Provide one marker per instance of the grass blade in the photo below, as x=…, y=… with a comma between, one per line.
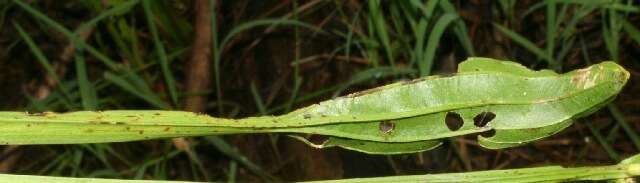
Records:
x=434, y=41
x=633, y=32
x=217, y=57
x=625, y=126
x=79, y=42
x=258, y=99
x=118, y=9
x=603, y=142
x=149, y=97
x=229, y=151
x=380, y=29
x=216, y=52
x=418, y=51
x=66, y=32
x=162, y=56
x=550, y=32
x=525, y=43
x=87, y=90
x=44, y=62
x=460, y=28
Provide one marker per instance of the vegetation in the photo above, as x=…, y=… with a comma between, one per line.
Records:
x=234, y=59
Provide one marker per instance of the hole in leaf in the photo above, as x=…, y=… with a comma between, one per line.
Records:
x=453, y=121
x=483, y=118
x=489, y=133
x=317, y=139
x=387, y=126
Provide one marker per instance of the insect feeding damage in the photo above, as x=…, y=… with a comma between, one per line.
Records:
x=582, y=78
x=453, y=121
x=420, y=102
x=387, y=127
x=483, y=118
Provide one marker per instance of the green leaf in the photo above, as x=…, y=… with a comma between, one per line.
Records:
x=465, y=90
x=504, y=102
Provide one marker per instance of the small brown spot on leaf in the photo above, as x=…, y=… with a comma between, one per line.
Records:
x=447, y=75
x=413, y=81
x=357, y=94
x=386, y=127
x=167, y=129
x=120, y=123
x=89, y=130
x=483, y=118
x=28, y=125
x=453, y=121
x=141, y=132
x=306, y=116
x=45, y=114
x=533, y=130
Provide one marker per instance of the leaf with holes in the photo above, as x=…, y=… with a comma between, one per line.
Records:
x=530, y=105
x=504, y=102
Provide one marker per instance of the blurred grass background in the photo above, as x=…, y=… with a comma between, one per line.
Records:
x=246, y=58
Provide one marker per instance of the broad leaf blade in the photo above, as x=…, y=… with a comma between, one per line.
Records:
x=506, y=102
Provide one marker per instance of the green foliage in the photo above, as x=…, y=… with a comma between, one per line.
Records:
x=500, y=97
